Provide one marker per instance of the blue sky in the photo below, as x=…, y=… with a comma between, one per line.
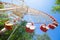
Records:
x=46, y=6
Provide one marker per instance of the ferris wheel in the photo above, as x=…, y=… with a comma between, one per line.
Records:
x=18, y=12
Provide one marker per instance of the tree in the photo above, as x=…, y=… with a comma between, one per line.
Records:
x=43, y=37
x=3, y=19
x=57, y=7
x=20, y=33
x=58, y=2
x=1, y=5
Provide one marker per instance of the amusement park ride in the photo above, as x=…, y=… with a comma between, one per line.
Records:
x=45, y=20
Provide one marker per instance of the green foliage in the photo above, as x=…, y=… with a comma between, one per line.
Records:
x=5, y=35
x=58, y=2
x=1, y=6
x=3, y=19
x=20, y=33
x=43, y=37
x=57, y=7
